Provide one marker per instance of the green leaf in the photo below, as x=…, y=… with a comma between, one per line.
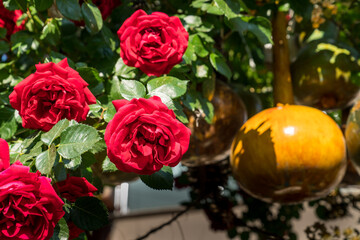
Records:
x=60, y=172
x=89, y=213
x=219, y=63
x=193, y=21
x=4, y=47
x=199, y=47
x=108, y=166
x=70, y=9
x=42, y=5
x=8, y=125
x=98, y=147
x=109, y=113
x=115, y=89
x=92, y=17
x=259, y=26
x=178, y=110
x=161, y=180
x=73, y=163
x=49, y=137
x=21, y=42
x=165, y=99
x=61, y=231
x=76, y=140
x=92, y=77
x=190, y=54
x=171, y=86
x=15, y=4
x=45, y=161
x=109, y=37
x=194, y=100
x=88, y=159
x=34, y=152
x=51, y=32
x=130, y=89
x=124, y=71
x=226, y=9
x=3, y=32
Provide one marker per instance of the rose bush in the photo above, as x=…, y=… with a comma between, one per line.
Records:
x=153, y=43
x=71, y=189
x=8, y=20
x=145, y=135
x=52, y=93
x=29, y=206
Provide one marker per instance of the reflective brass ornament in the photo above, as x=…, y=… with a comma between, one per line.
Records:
x=323, y=76
x=210, y=143
x=288, y=154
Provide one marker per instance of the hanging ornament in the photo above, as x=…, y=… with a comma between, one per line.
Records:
x=210, y=143
x=289, y=154
x=324, y=76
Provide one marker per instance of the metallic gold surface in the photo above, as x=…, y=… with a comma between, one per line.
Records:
x=289, y=154
x=323, y=76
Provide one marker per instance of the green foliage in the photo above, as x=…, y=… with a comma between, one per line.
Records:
x=89, y=213
x=170, y=86
x=45, y=160
x=160, y=180
x=77, y=139
x=130, y=89
x=70, y=9
x=61, y=231
x=92, y=17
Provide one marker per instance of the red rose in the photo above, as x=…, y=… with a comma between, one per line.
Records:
x=29, y=206
x=52, y=93
x=4, y=155
x=8, y=20
x=154, y=43
x=75, y=187
x=74, y=231
x=144, y=135
x=71, y=189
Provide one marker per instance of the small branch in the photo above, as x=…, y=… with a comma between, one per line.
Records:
x=166, y=223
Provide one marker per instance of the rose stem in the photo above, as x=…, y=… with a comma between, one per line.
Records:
x=283, y=92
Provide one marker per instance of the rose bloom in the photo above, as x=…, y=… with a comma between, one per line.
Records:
x=75, y=187
x=154, y=43
x=4, y=155
x=8, y=20
x=52, y=93
x=144, y=135
x=29, y=206
x=71, y=189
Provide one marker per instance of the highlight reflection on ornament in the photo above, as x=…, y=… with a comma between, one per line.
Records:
x=210, y=143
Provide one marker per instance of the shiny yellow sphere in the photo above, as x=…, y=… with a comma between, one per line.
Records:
x=288, y=154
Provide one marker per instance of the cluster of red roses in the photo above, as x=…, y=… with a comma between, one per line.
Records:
x=143, y=136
